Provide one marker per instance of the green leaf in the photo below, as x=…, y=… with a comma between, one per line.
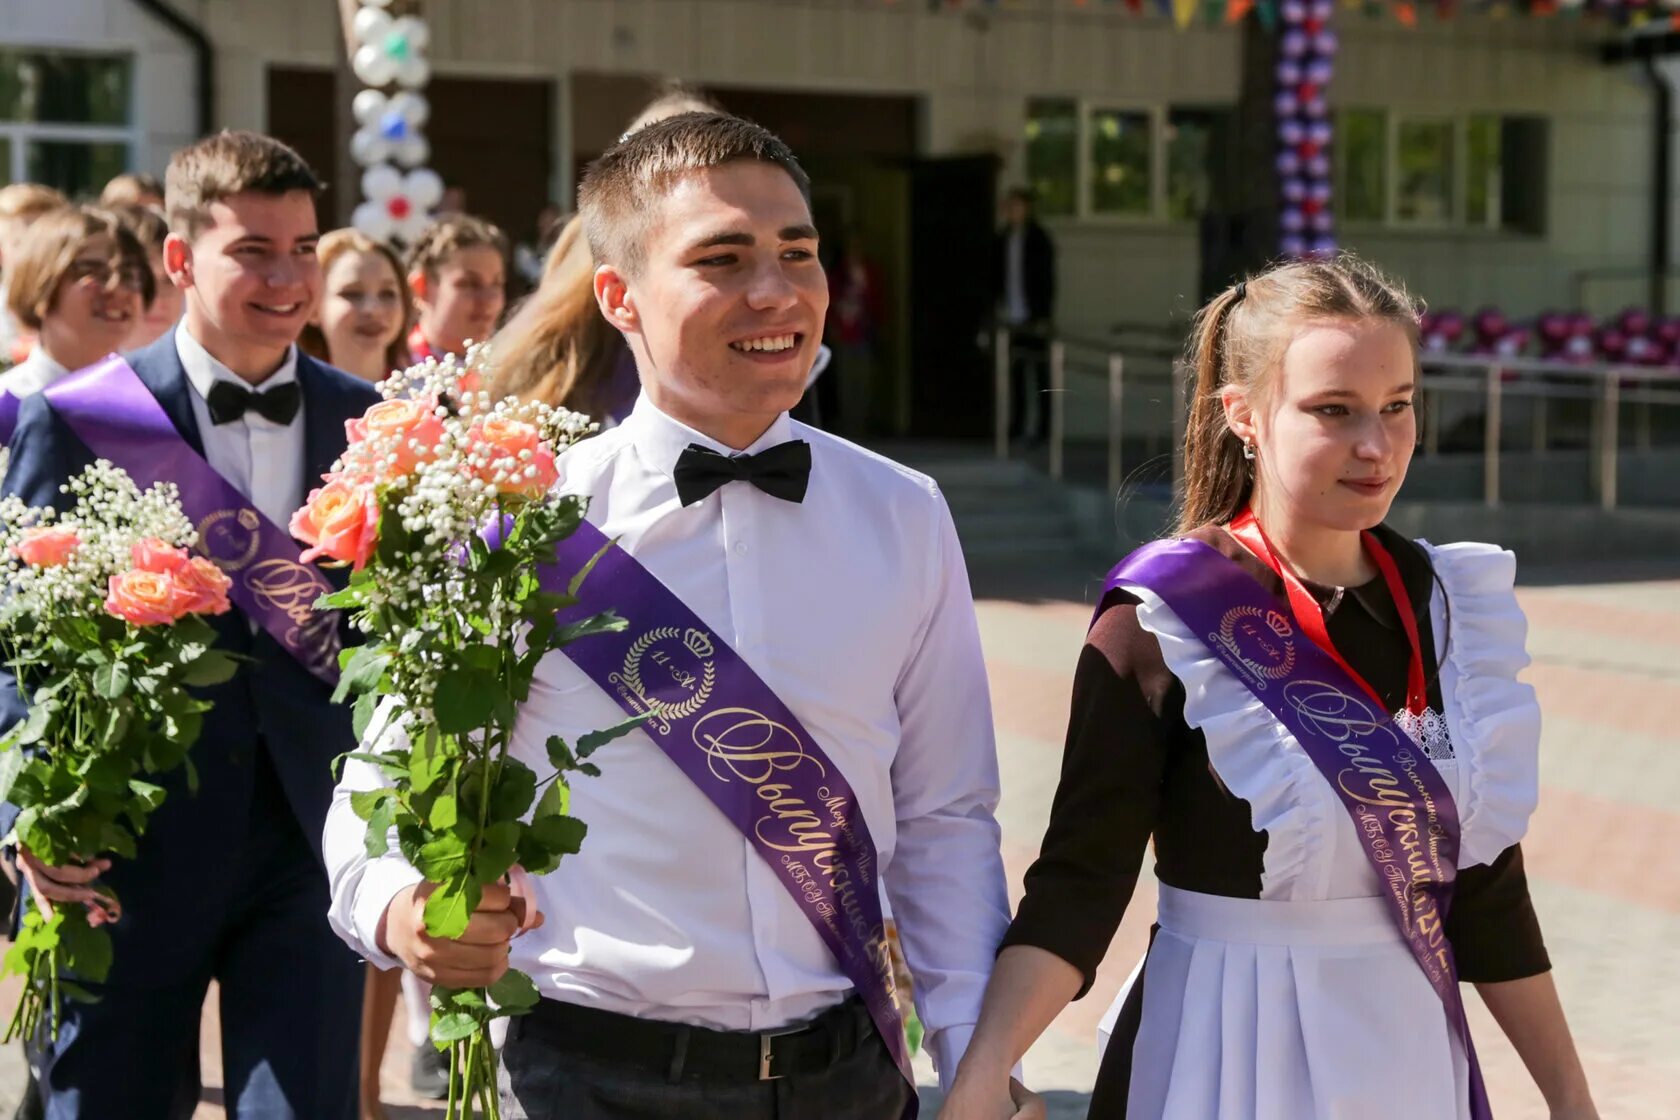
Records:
x=444, y=813
x=604, y=623
x=378, y=839
x=151, y=796
x=464, y=700
x=560, y=834
x=594, y=740
x=111, y=680
x=451, y=905
x=365, y=802
x=515, y=992
x=391, y=765
x=89, y=949
x=514, y=789
x=37, y=723
x=213, y=667
x=11, y=765
x=499, y=851
x=560, y=755
x=427, y=761
x=453, y=1027
x=556, y=800
x=589, y=566
x=347, y=599
x=363, y=671
x=442, y=859
x=361, y=715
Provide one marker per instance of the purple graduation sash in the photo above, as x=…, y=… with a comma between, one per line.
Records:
x=1401, y=808
x=735, y=739
x=112, y=411
x=8, y=416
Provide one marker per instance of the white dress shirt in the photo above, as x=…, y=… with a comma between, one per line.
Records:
x=263, y=460
x=1015, y=309
x=32, y=374
x=854, y=607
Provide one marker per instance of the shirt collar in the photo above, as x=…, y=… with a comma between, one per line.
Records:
x=203, y=370
x=660, y=439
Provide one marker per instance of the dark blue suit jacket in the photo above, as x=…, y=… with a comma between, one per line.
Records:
x=273, y=720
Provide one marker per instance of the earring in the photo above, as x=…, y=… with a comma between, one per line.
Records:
x=1248, y=451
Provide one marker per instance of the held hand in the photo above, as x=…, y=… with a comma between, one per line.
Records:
x=72, y=884
x=476, y=959
x=971, y=1100
x=1576, y=1112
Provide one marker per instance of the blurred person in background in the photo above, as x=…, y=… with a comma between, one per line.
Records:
x=361, y=324
x=20, y=205
x=557, y=348
x=530, y=254
x=458, y=273
x=151, y=230
x=1025, y=288
x=80, y=283
x=133, y=188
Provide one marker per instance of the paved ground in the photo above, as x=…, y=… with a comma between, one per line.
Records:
x=1600, y=854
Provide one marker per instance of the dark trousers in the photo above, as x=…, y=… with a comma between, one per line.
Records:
x=1029, y=386
x=543, y=1081
x=290, y=1004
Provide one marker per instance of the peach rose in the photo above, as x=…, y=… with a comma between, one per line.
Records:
x=515, y=447
x=396, y=424
x=154, y=555
x=341, y=521
x=205, y=585
x=47, y=546
x=146, y=598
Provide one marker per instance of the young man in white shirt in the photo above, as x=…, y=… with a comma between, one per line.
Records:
x=681, y=978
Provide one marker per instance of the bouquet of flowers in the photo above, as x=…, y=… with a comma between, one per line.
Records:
x=103, y=629
x=442, y=506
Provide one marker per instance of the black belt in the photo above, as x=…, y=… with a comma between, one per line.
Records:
x=678, y=1052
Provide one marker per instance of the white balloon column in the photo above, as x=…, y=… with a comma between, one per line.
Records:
x=391, y=50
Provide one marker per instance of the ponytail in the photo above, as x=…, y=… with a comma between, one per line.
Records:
x=1216, y=476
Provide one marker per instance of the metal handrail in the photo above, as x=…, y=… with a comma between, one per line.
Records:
x=1443, y=373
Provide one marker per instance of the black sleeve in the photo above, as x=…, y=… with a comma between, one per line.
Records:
x=1494, y=932
x=1105, y=807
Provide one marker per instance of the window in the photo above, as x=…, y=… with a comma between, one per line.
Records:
x=1052, y=137
x=1361, y=155
x=1424, y=163
x=1478, y=171
x=1198, y=144
x=1148, y=163
x=65, y=118
x=1121, y=162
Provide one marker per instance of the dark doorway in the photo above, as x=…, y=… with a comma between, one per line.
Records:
x=952, y=212
x=492, y=137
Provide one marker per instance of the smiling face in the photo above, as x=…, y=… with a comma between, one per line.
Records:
x=1334, y=429
x=94, y=307
x=251, y=278
x=361, y=311
x=725, y=311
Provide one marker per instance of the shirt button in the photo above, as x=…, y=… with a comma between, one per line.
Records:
x=740, y=548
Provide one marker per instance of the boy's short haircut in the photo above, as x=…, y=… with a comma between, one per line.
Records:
x=29, y=201
x=145, y=223
x=621, y=188
x=450, y=235
x=229, y=163
x=49, y=249
x=131, y=188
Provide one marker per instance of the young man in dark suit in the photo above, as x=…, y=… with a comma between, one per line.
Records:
x=1025, y=283
x=228, y=884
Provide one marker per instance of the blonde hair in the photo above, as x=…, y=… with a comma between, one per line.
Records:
x=672, y=99
x=218, y=167
x=132, y=188
x=29, y=201
x=335, y=245
x=558, y=348
x=49, y=249
x=1240, y=338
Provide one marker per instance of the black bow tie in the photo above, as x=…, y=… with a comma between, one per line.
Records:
x=782, y=471
x=229, y=402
